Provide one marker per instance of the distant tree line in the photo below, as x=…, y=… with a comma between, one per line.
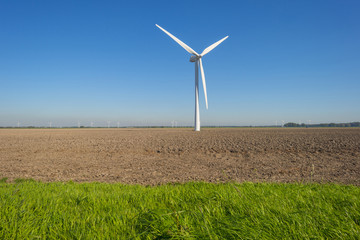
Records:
x=351, y=124
x=289, y=124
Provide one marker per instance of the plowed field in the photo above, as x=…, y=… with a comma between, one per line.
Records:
x=157, y=156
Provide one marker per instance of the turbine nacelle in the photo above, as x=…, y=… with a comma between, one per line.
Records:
x=194, y=58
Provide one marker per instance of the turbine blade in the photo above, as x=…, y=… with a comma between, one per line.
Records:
x=186, y=47
x=203, y=82
x=208, y=49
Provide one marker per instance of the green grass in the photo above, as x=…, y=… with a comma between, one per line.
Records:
x=32, y=210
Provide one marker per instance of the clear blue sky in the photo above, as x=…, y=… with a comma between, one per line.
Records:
x=70, y=61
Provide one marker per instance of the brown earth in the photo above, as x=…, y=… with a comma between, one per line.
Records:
x=157, y=156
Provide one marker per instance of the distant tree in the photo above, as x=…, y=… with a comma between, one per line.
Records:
x=291, y=124
x=355, y=124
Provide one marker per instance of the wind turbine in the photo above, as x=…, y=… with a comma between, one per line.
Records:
x=196, y=58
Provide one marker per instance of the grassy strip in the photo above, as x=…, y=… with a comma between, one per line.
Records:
x=30, y=209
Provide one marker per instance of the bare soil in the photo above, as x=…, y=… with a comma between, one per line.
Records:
x=158, y=156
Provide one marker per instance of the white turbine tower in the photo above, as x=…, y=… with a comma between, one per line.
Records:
x=196, y=58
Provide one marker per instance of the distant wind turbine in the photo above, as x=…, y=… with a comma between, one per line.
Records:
x=196, y=58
